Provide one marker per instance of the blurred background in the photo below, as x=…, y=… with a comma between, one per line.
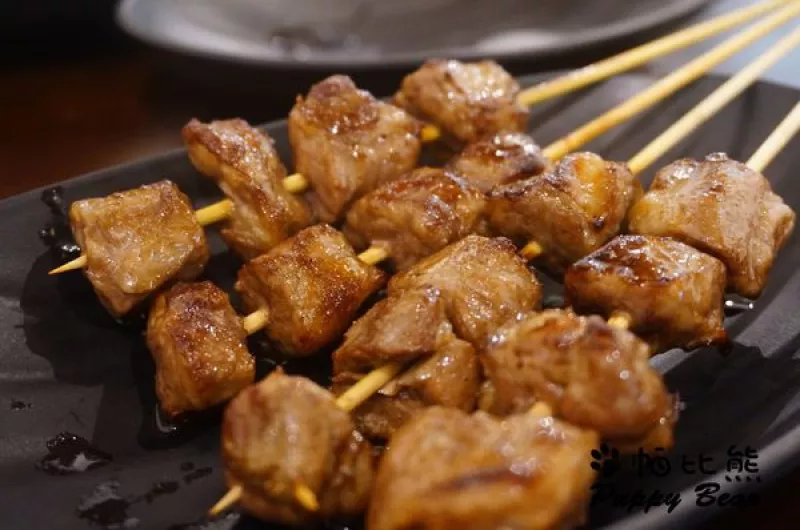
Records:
x=90, y=83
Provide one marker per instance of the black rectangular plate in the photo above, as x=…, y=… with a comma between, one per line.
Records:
x=66, y=366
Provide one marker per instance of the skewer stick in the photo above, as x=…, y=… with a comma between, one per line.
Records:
x=531, y=251
x=368, y=385
x=540, y=408
x=776, y=141
x=373, y=255
x=669, y=84
x=713, y=103
x=227, y=500
x=634, y=57
x=255, y=321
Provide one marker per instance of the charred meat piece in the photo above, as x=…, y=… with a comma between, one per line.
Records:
x=137, y=241
x=591, y=374
x=244, y=163
x=198, y=344
x=347, y=143
x=672, y=292
x=417, y=215
x=570, y=210
x=722, y=207
x=312, y=285
x=408, y=327
x=499, y=159
x=467, y=101
x=483, y=282
x=286, y=431
x=446, y=469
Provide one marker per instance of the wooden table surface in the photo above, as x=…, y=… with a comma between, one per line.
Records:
x=68, y=112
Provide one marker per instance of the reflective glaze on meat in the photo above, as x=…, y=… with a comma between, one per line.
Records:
x=502, y=158
x=722, y=207
x=285, y=431
x=467, y=101
x=483, y=281
x=199, y=348
x=446, y=469
x=591, y=374
x=672, y=292
x=570, y=210
x=137, y=241
x=412, y=327
x=312, y=285
x=245, y=165
x=416, y=215
x=347, y=143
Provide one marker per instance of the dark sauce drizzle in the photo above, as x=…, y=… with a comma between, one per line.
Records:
x=57, y=234
x=105, y=507
x=69, y=453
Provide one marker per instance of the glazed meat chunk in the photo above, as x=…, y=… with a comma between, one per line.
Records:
x=346, y=143
x=499, y=159
x=483, y=282
x=671, y=293
x=407, y=327
x=137, y=241
x=415, y=216
x=722, y=207
x=244, y=163
x=446, y=469
x=198, y=345
x=286, y=431
x=569, y=210
x=467, y=101
x=591, y=374
x=312, y=285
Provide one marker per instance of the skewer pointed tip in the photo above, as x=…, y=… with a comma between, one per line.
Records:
x=306, y=497
x=227, y=500
x=77, y=263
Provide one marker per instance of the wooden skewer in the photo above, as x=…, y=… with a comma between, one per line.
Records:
x=634, y=57
x=297, y=183
x=713, y=103
x=669, y=84
x=776, y=141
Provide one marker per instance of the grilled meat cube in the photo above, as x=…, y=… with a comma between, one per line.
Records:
x=499, y=159
x=467, y=101
x=722, y=207
x=312, y=285
x=286, y=431
x=672, y=292
x=483, y=281
x=446, y=469
x=244, y=163
x=570, y=210
x=417, y=215
x=591, y=374
x=347, y=143
x=137, y=241
x=198, y=344
x=409, y=327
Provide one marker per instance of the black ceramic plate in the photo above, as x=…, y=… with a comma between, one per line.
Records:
x=380, y=33
x=66, y=366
